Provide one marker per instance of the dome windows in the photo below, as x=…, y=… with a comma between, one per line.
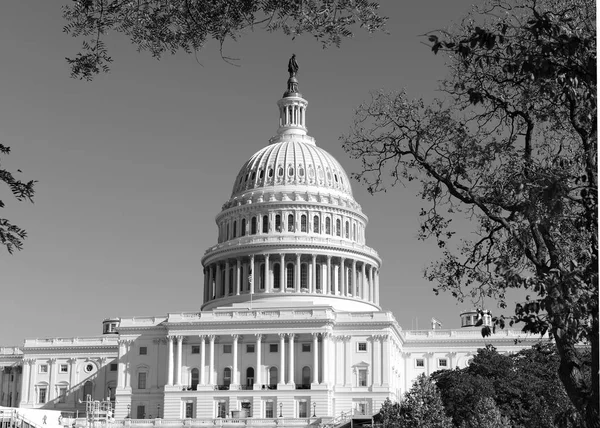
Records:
x=335, y=176
x=253, y=226
x=290, y=227
x=270, y=172
x=261, y=175
x=265, y=224
x=316, y=224
x=303, y=223
x=328, y=226
x=301, y=172
x=254, y=175
x=291, y=171
x=338, y=227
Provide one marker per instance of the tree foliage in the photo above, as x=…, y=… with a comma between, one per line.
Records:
x=11, y=235
x=513, y=148
x=486, y=415
x=523, y=386
x=421, y=407
x=160, y=26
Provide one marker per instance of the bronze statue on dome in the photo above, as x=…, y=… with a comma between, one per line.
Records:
x=293, y=66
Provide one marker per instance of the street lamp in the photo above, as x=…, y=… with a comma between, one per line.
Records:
x=314, y=409
x=281, y=410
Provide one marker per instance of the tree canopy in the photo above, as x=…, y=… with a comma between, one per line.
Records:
x=524, y=388
x=11, y=235
x=512, y=147
x=160, y=26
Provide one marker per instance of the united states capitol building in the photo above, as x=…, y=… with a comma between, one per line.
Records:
x=290, y=328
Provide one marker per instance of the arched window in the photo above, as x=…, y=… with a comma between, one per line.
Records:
x=278, y=223
x=305, y=376
x=354, y=231
x=195, y=378
x=290, y=223
x=273, y=377
x=290, y=275
x=230, y=281
x=88, y=389
x=318, y=275
x=234, y=228
x=347, y=230
x=227, y=234
x=261, y=277
x=265, y=225
x=227, y=376
x=250, y=376
x=338, y=227
x=303, y=223
x=243, y=231
x=303, y=275
x=316, y=224
x=253, y=226
x=328, y=226
x=276, y=276
x=350, y=280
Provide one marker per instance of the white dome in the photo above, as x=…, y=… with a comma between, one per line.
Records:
x=292, y=160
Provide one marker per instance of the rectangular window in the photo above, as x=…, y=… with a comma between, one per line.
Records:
x=141, y=411
x=362, y=377
x=420, y=362
x=273, y=347
x=43, y=368
x=195, y=349
x=64, y=368
x=362, y=346
x=221, y=409
x=443, y=362
x=250, y=349
x=362, y=408
x=227, y=349
x=114, y=367
x=42, y=395
x=303, y=409
x=62, y=394
x=143, y=350
x=189, y=410
x=142, y=380
x=269, y=409
x=306, y=347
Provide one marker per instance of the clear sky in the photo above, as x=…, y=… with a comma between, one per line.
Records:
x=134, y=166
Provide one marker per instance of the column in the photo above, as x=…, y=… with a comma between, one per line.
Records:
x=376, y=360
x=227, y=279
x=219, y=281
x=202, y=359
x=343, y=276
x=326, y=374
x=211, y=283
x=348, y=361
x=267, y=274
x=205, y=271
x=258, y=371
x=170, y=361
x=376, y=286
x=25, y=383
x=315, y=351
x=385, y=359
x=122, y=367
x=238, y=277
x=235, y=377
x=51, y=369
x=406, y=356
x=297, y=275
x=282, y=358
x=291, y=368
x=72, y=362
x=371, y=286
x=354, y=288
x=179, y=359
x=211, y=360
x=363, y=293
x=313, y=275
x=282, y=273
x=251, y=274
x=327, y=283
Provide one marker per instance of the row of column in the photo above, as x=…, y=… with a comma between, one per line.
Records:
x=348, y=279
x=175, y=359
x=11, y=386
